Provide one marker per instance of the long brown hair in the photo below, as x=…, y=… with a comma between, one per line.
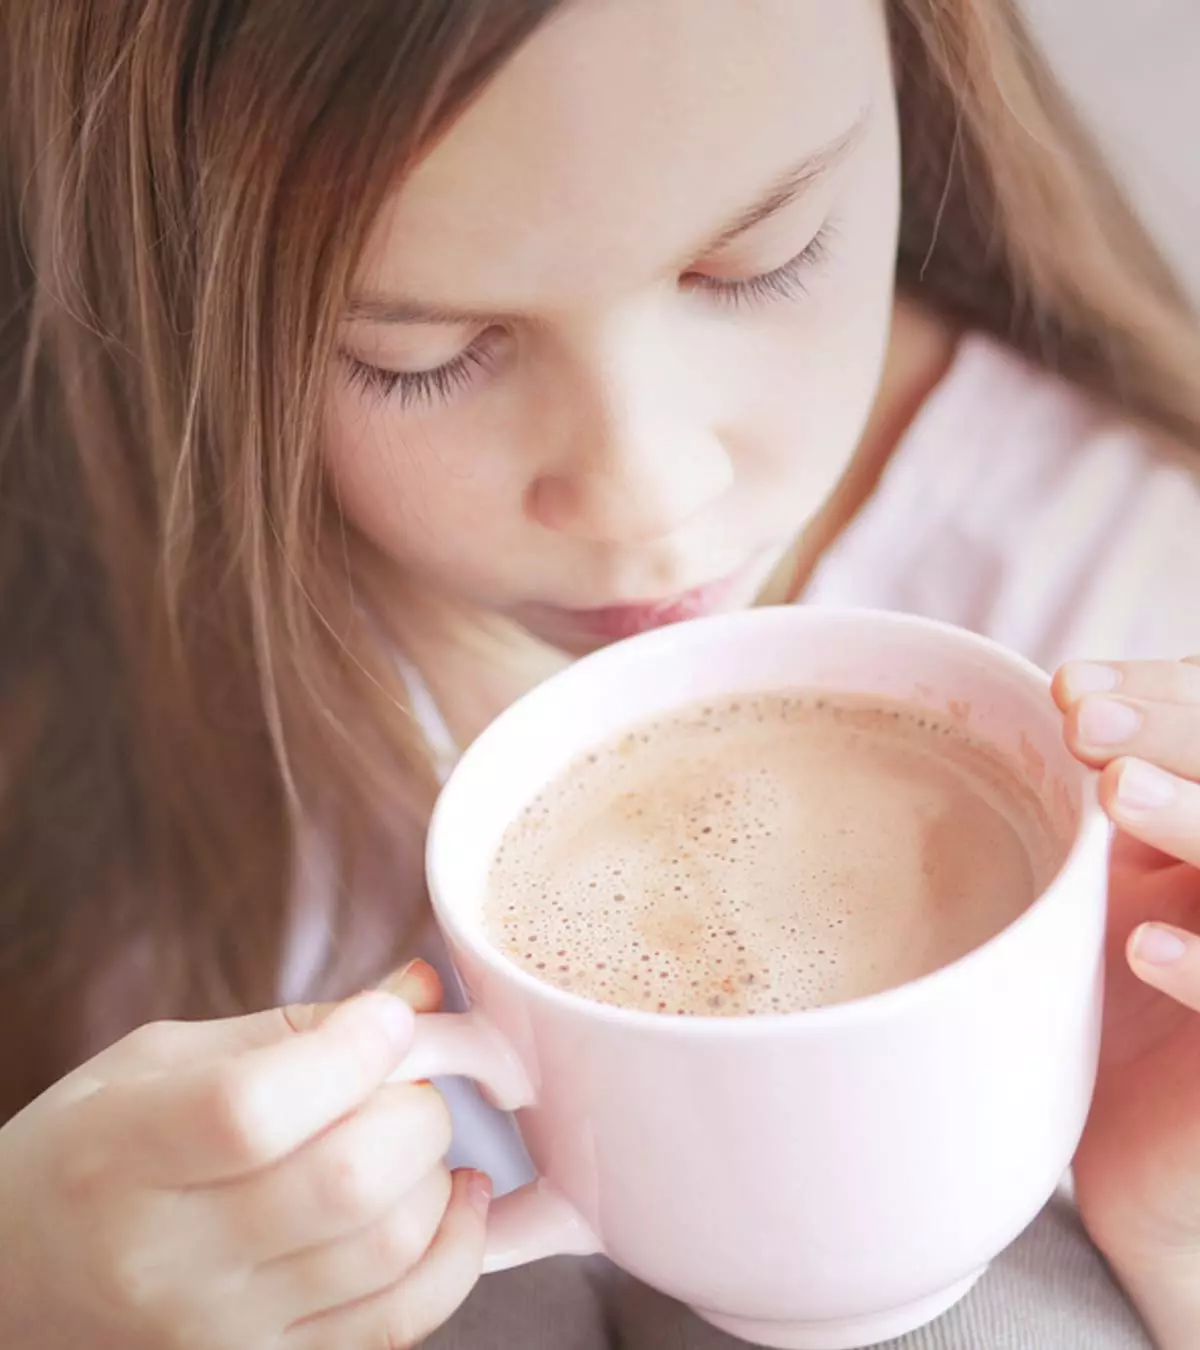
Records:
x=192, y=672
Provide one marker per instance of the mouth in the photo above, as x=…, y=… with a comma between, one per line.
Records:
x=613, y=622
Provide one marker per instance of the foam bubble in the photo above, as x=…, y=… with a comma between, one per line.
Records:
x=767, y=854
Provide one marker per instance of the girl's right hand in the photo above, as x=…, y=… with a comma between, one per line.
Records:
x=249, y=1184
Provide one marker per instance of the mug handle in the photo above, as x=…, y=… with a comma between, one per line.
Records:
x=536, y=1220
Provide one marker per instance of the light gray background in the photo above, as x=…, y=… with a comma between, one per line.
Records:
x=1133, y=67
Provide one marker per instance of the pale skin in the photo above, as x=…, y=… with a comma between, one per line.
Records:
x=1138, y=1170
x=644, y=398
x=248, y=1183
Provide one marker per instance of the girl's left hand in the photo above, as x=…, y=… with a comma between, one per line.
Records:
x=1137, y=1173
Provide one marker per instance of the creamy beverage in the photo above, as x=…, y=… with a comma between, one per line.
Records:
x=769, y=853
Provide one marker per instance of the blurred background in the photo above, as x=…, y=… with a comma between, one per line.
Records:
x=1133, y=67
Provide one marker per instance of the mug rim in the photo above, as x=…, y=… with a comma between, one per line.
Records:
x=1092, y=830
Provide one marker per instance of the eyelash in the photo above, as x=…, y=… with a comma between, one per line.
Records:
x=416, y=388
x=784, y=283
x=424, y=388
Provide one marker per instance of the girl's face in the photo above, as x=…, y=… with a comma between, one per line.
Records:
x=615, y=340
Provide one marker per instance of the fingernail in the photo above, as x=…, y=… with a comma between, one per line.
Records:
x=410, y=982
x=1107, y=721
x=1158, y=946
x=479, y=1191
x=1142, y=787
x=1089, y=677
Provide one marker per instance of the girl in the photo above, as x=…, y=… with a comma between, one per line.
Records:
x=363, y=362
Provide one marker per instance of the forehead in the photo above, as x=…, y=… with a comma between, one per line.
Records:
x=621, y=135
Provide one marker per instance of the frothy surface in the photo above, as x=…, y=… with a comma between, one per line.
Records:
x=768, y=854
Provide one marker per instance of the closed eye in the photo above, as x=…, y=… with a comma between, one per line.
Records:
x=782, y=283
x=423, y=388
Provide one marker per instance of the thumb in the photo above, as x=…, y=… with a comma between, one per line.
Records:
x=418, y=984
x=161, y=1046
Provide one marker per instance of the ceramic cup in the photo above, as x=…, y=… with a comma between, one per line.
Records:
x=822, y=1179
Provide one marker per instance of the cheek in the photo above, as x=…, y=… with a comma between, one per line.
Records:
x=815, y=379
x=818, y=367
x=413, y=490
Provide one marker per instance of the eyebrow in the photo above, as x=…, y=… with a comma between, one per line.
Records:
x=789, y=187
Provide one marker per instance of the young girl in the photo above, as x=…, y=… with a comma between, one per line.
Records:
x=365, y=360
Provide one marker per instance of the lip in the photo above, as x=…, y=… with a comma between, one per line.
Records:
x=621, y=621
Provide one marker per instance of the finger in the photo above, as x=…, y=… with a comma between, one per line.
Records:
x=418, y=984
x=1100, y=728
x=1158, y=808
x=161, y=1046
x=340, y=1182
x=1131, y=857
x=402, y=1316
x=247, y=1111
x=1168, y=959
x=165, y=1045
x=364, y=1263
x=1153, y=681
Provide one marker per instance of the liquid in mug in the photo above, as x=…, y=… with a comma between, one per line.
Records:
x=769, y=853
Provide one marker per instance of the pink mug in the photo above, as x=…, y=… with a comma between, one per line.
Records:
x=822, y=1179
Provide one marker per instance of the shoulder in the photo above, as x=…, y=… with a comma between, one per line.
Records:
x=1096, y=518
x=1022, y=506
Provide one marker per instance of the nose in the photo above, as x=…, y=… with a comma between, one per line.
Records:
x=643, y=455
